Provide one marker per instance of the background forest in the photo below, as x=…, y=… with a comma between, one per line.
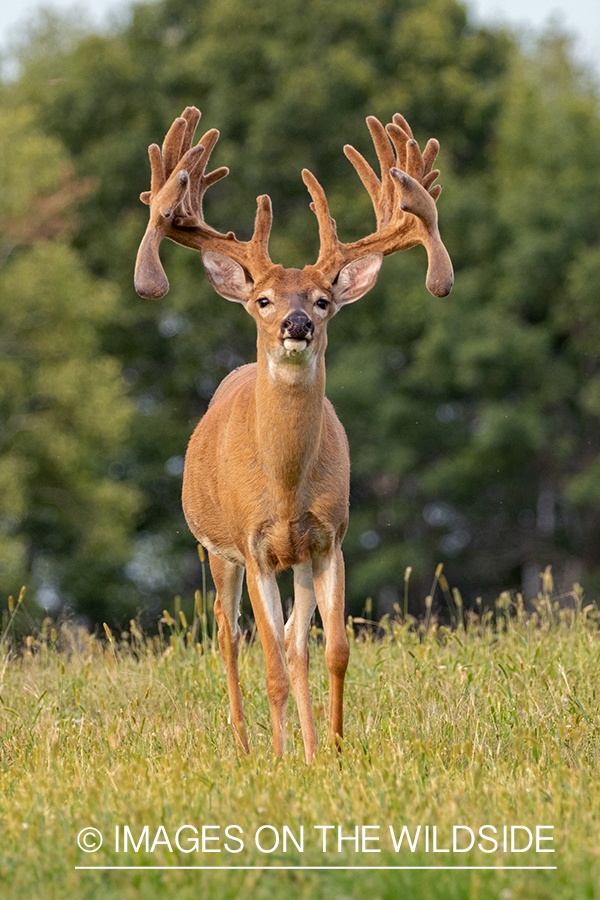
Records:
x=473, y=421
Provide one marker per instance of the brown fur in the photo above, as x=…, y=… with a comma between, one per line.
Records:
x=282, y=507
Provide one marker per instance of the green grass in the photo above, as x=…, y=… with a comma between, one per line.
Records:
x=496, y=723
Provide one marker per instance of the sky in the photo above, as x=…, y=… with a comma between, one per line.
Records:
x=580, y=17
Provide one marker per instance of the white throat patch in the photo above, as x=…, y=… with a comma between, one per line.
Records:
x=293, y=363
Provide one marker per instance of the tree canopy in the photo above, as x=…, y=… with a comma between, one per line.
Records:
x=473, y=421
x=65, y=417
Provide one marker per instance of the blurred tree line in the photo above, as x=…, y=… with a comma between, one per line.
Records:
x=473, y=421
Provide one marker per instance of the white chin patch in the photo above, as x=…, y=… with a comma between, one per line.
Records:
x=297, y=346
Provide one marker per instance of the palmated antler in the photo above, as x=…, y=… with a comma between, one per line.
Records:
x=179, y=182
x=404, y=202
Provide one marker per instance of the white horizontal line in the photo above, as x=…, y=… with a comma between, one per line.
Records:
x=341, y=868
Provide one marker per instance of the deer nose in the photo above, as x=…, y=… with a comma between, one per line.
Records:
x=297, y=326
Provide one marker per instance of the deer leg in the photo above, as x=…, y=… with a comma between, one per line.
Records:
x=329, y=589
x=296, y=647
x=268, y=615
x=228, y=579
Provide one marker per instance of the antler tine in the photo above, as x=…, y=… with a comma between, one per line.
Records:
x=414, y=160
x=192, y=116
x=429, y=179
x=330, y=247
x=408, y=152
x=368, y=178
x=386, y=159
x=399, y=138
x=430, y=155
x=158, y=170
x=401, y=122
x=171, y=148
x=199, y=183
x=262, y=225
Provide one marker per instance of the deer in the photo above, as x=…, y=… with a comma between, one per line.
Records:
x=267, y=470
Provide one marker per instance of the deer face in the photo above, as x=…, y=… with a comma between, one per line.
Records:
x=291, y=307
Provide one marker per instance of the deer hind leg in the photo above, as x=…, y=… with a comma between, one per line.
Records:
x=329, y=589
x=296, y=646
x=268, y=614
x=228, y=579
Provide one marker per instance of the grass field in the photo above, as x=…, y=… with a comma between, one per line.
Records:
x=493, y=723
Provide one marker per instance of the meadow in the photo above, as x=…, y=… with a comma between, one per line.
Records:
x=491, y=722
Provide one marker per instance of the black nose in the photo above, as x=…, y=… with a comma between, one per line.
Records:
x=297, y=326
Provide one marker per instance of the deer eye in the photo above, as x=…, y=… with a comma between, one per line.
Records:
x=263, y=301
x=322, y=303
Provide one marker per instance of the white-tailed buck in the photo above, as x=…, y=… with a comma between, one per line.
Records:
x=266, y=478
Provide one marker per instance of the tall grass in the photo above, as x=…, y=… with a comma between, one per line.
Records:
x=493, y=721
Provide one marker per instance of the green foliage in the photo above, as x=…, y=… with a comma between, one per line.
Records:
x=485, y=424
x=473, y=421
x=66, y=520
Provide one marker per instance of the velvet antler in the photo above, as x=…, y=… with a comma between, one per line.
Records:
x=179, y=182
x=403, y=199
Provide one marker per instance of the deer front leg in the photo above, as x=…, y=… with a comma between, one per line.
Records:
x=296, y=646
x=268, y=615
x=329, y=589
x=228, y=579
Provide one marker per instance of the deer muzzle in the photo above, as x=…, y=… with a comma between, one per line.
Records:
x=297, y=327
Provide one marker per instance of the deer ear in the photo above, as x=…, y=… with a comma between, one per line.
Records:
x=227, y=276
x=357, y=278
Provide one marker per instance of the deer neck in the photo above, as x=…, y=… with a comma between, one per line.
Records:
x=289, y=399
